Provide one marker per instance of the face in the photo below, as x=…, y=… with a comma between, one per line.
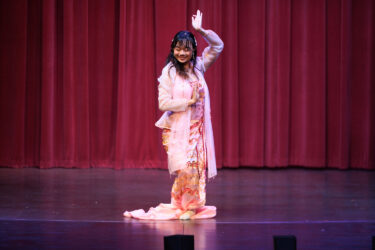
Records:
x=182, y=53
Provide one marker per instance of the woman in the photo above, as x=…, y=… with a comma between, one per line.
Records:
x=186, y=123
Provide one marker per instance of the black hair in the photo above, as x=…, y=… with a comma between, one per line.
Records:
x=187, y=39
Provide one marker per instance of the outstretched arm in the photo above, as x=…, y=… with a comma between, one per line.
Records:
x=216, y=45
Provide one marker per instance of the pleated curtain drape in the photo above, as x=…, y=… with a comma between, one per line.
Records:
x=294, y=85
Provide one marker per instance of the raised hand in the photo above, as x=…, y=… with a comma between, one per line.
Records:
x=196, y=21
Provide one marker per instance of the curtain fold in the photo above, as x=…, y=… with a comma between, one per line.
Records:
x=294, y=85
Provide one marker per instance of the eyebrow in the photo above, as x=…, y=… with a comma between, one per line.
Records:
x=182, y=47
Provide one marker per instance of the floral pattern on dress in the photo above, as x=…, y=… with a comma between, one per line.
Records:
x=189, y=188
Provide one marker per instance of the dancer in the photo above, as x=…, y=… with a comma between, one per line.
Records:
x=187, y=131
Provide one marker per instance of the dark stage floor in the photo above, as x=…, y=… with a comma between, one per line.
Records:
x=82, y=209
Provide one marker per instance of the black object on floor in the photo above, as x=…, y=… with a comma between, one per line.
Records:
x=179, y=242
x=285, y=242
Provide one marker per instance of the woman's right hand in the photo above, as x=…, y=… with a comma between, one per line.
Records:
x=194, y=96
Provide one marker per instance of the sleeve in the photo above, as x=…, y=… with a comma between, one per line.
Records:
x=166, y=101
x=212, y=52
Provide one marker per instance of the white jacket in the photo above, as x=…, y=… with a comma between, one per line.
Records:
x=177, y=112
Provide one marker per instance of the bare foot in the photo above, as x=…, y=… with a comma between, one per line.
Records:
x=187, y=215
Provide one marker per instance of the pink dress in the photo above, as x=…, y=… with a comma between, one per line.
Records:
x=188, y=140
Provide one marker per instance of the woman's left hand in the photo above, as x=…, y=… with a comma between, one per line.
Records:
x=196, y=21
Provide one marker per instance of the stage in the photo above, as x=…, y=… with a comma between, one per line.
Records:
x=82, y=209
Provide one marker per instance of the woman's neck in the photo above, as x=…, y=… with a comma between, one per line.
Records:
x=187, y=67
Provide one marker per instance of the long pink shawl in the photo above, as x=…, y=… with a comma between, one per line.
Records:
x=174, y=93
x=179, y=123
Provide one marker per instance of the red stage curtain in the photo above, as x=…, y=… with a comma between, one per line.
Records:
x=293, y=87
